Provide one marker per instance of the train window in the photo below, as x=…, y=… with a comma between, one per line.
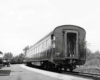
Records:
x=37, y=55
x=46, y=43
x=50, y=41
x=54, y=38
x=33, y=56
x=42, y=45
x=40, y=55
x=37, y=49
x=34, y=50
x=40, y=48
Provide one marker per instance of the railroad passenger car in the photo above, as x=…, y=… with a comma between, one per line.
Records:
x=1, y=59
x=64, y=48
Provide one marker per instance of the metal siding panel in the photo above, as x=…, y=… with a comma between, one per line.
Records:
x=59, y=39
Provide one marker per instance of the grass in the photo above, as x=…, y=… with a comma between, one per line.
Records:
x=92, y=64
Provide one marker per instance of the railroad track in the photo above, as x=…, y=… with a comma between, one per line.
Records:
x=94, y=76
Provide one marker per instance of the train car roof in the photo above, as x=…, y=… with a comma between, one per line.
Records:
x=69, y=25
x=53, y=31
x=43, y=38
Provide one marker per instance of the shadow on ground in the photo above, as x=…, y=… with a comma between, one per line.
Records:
x=5, y=72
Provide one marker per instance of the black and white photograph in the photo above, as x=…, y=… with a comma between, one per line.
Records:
x=49, y=40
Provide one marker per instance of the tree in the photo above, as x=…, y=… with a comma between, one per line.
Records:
x=15, y=60
x=1, y=55
x=22, y=56
x=25, y=49
x=88, y=52
x=8, y=55
x=97, y=52
x=18, y=59
x=1, y=52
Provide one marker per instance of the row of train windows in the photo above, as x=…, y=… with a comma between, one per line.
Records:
x=41, y=46
x=39, y=55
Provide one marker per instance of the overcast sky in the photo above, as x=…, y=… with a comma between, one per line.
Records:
x=24, y=22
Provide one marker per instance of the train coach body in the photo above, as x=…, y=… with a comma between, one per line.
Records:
x=70, y=43
x=1, y=59
x=64, y=47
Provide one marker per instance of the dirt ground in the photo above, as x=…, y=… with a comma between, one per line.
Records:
x=16, y=72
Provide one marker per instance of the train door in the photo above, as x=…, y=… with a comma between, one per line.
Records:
x=52, y=50
x=71, y=44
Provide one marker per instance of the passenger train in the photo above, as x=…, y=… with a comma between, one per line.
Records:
x=1, y=59
x=64, y=47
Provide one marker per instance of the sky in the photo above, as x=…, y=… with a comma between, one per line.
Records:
x=24, y=22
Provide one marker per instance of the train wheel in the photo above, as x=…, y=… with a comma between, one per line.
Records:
x=65, y=69
x=30, y=63
x=8, y=65
x=58, y=69
x=71, y=70
x=27, y=64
